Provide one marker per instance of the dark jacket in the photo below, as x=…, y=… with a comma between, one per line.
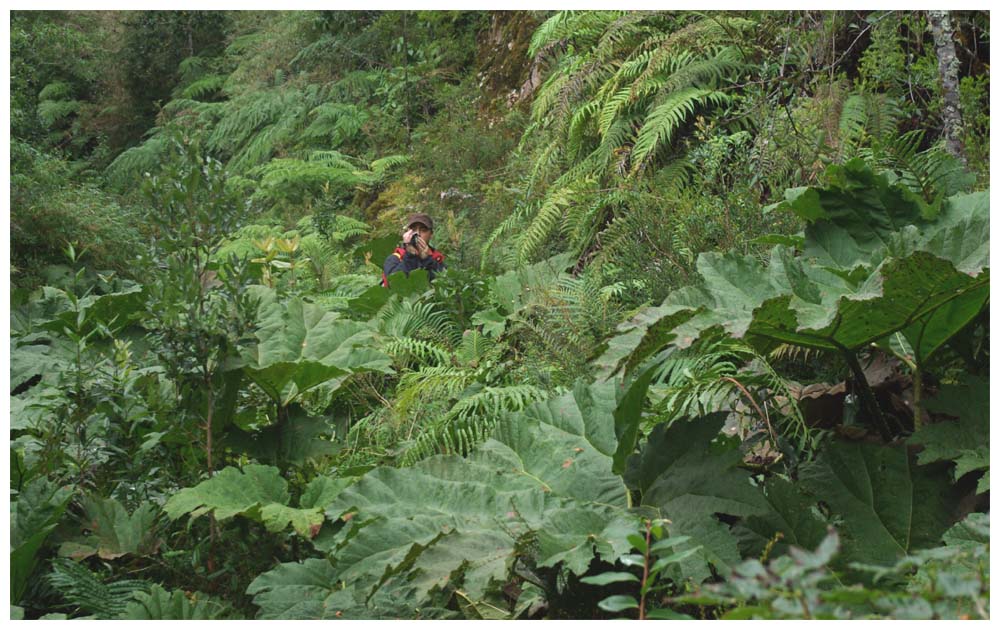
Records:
x=401, y=260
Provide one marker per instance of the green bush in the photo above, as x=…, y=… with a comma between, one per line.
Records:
x=48, y=212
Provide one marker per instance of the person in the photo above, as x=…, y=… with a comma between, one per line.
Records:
x=416, y=251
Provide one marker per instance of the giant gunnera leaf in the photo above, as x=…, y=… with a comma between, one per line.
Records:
x=884, y=505
x=541, y=486
x=259, y=493
x=690, y=480
x=111, y=532
x=867, y=270
x=160, y=604
x=301, y=345
x=965, y=441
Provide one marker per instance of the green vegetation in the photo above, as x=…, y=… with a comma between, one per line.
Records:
x=712, y=341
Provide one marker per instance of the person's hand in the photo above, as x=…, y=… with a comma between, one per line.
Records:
x=423, y=249
x=407, y=237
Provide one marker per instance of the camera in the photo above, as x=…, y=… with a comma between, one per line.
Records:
x=413, y=239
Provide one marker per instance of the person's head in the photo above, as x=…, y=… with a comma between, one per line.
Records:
x=422, y=224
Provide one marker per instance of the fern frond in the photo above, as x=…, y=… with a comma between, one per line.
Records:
x=664, y=121
x=544, y=222
x=581, y=26
x=85, y=591
x=404, y=318
x=437, y=382
x=405, y=349
x=507, y=227
x=56, y=91
x=343, y=228
x=336, y=122
x=205, y=86
x=470, y=421
x=473, y=347
x=494, y=401
x=131, y=164
x=702, y=379
x=51, y=112
x=385, y=164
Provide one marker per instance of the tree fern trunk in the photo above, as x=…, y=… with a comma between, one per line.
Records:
x=944, y=45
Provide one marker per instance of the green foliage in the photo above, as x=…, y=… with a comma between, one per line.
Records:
x=690, y=481
x=160, y=604
x=715, y=375
x=258, y=493
x=801, y=585
x=864, y=259
x=435, y=525
x=112, y=532
x=87, y=592
x=582, y=417
x=888, y=506
x=33, y=515
x=966, y=442
x=657, y=552
x=301, y=346
x=48, y=212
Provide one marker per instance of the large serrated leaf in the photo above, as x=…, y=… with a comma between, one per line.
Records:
x=301, y=345
x=683, y=476
x=259, y=493
x=460, y=521
x=160, y=604
x=886, y=505
x=965, y=441
x=231, y=492
x=295, y=590
x=873, y=265
x=113, y=532
x=791, y=513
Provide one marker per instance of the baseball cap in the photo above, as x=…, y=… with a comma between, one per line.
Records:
x=420, y=217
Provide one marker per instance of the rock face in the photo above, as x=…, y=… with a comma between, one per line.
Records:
x=505, y=71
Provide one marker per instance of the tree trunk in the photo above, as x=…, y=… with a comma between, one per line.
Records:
x=944, y=45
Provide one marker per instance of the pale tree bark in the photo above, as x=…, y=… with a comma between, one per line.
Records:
x=944, y=46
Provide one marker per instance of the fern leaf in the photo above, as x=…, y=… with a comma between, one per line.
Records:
x=85, y=591
x=664, y=121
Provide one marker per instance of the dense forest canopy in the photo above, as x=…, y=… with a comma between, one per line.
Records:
x=711, y=340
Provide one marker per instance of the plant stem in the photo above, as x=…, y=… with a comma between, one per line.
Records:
x=212, y=526
x=645, y=572
x=866, y=393
x=918, y=392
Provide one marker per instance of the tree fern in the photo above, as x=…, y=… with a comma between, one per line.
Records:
x=130, y=165
x=51, y=112
x=342, y=228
